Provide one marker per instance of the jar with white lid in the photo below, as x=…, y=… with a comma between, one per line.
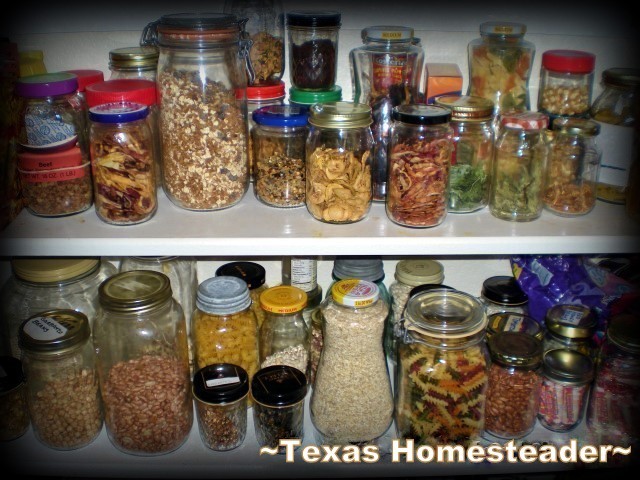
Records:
x=134, y=62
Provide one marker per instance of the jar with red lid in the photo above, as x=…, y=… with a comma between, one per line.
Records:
x=566, y=83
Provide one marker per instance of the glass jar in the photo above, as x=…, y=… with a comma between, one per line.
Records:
x=59, y=365
x=566, y=83
x=441, y=354
x=570, y=326
x=316, y=343
x=278, y=392
x=40, y=284
x=302, y=272
x=14, y=412
x=200, y=68
x=420, y=148
x=306, y=98
x=284, y=337
x=122, y=163
x=515, y=380
x=615, y=397
x=140, y=335
x=134, y=62
x=339, y=149
x=502, y=293
x=254, y=275
x=220, y=393
x=514, y=322
x=500, y=63
x=370, y=269
x=352, y=401
x=518, y=170
x=386, y=72
x=313, y=48
x=566, y=380
x=265, y=28
x=86, y=77
x=279, y=138
x=472, y=157
x=572, y=171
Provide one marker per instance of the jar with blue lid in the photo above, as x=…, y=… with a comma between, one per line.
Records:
x=278, y=139
x=122, y=162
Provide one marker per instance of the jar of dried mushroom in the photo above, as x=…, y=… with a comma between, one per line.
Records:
x=278, y=139
x=220, y=392
x=442, y=372
x=134, y=62
x=255, y=276
x=472, y=157
x=284, y=336
x=502, y=293
x=140, y=337
x=63, y=393
x=14, y=413
x=203, y=125
x=572, y=171
x=420, y=148
x=571, y=326
x=519, y=165
x=338, y=156
x=515, y=380
x=122, y=163
x=352, y=402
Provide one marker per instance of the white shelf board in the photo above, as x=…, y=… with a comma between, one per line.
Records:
x=252, y=228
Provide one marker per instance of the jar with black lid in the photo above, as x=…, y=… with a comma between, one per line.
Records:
x=14, y=412
x=502, y=293
x=570, y=326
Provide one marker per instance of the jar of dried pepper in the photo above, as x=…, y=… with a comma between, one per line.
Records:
x=14, y=413
x=442, y=369
x=122, y=163
x=338, y=156
x=515, y=380
x=420, y=149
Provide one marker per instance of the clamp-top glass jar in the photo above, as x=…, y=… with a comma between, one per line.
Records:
x=134, y=62
x=203, y=123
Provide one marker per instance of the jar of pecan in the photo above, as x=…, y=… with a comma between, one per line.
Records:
x=515, y=379
x=420, y=148
x=122, y=163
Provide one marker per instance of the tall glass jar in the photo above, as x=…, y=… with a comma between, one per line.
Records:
x=255, y=276
x=441, y=354
x=472, y=157
x=572, y=171
x=502, y=293
x=134, y=62
x=140, y=337
x=59, y=364
x=14, y=412
x=338, y=156
x=572, y=327
x=386, y=72
x=200, y=68
x=420, y=148
x=500, y=63
x=352, y=402
x=518, y=169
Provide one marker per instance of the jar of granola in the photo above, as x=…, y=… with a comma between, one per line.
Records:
x=203, y=124
x=278, y=138
x=420, y=148
x=254, y=275
x=14, y=413
x=338, y=156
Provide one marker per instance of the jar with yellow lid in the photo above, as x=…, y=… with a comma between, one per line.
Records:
x=134, y=62
x=40, y=284
x=570, y=326
x=472, y=157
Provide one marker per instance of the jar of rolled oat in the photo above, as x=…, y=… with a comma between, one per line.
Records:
x=14, y=413
x=338, y=156
x=63, y=393
x=134, y=62
x=140, y=337
x=203, y=124
x=570, y=326
x=278, y=138
x=255, y=276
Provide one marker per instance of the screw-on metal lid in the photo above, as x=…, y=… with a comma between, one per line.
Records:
x=621, y=77
x=515, y=349
x=514, y=322
x=54, y=331
x=507, y=29
x=279, y=386
x=144, y=58
x=387, y=33
x=364, y=268
x=418, y=272
x=466, y=107
x=220, y=383
x=135, y=291
x=571, y=321
x=421, y=114
x=564, y=365
x=223, y=295
x=53, y=270
x=576, y=126
x=624, y=331
x=283, y=299
x=340, y=115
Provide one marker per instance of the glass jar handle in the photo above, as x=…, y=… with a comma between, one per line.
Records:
x=150, y=34
x=245, y=46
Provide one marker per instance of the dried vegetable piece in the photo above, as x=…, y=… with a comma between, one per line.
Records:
x=267, y=57
x=280, y=172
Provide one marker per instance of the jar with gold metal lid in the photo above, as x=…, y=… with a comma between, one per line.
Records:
x=570, y=326
x=134, y=62
x=514, y=322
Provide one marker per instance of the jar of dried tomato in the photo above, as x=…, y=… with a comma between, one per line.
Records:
x=420, y=149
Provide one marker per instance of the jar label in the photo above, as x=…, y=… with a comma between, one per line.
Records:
x=44, y=329
x=388, y=70
x=571, y=316
x=52, y=175
x=218, y=382
x=513, y=323
x=303, y=274
x=32, y=162
x=45, y=128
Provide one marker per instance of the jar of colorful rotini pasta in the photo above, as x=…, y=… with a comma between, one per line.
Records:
x=442, y=369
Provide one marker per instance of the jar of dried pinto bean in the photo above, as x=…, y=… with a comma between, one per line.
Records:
x=515, y=379
x=420, y=148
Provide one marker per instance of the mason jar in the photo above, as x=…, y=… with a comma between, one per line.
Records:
x=140, y=337
x=570, y=326
x=254, y=275
x=134, y=62
x=14, y=412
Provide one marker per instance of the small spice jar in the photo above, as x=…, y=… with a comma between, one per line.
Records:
x=14, y=413
x=339, y=148
x=514, y=322
x=306, y=98
x=570, y=326
x=519, y=165
x=566, y=380
x=313, y=48
x=472, y=157
x=572, y=171
x=134, y=62
x=513, y=394
x=220, y=393
x=62, y=382
x=278, y=392
x=254, y=275
x=420, y=148
x=502, y=293
x=279, y=141
x=122, y=163
x=284, y=336
x=140, y=337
